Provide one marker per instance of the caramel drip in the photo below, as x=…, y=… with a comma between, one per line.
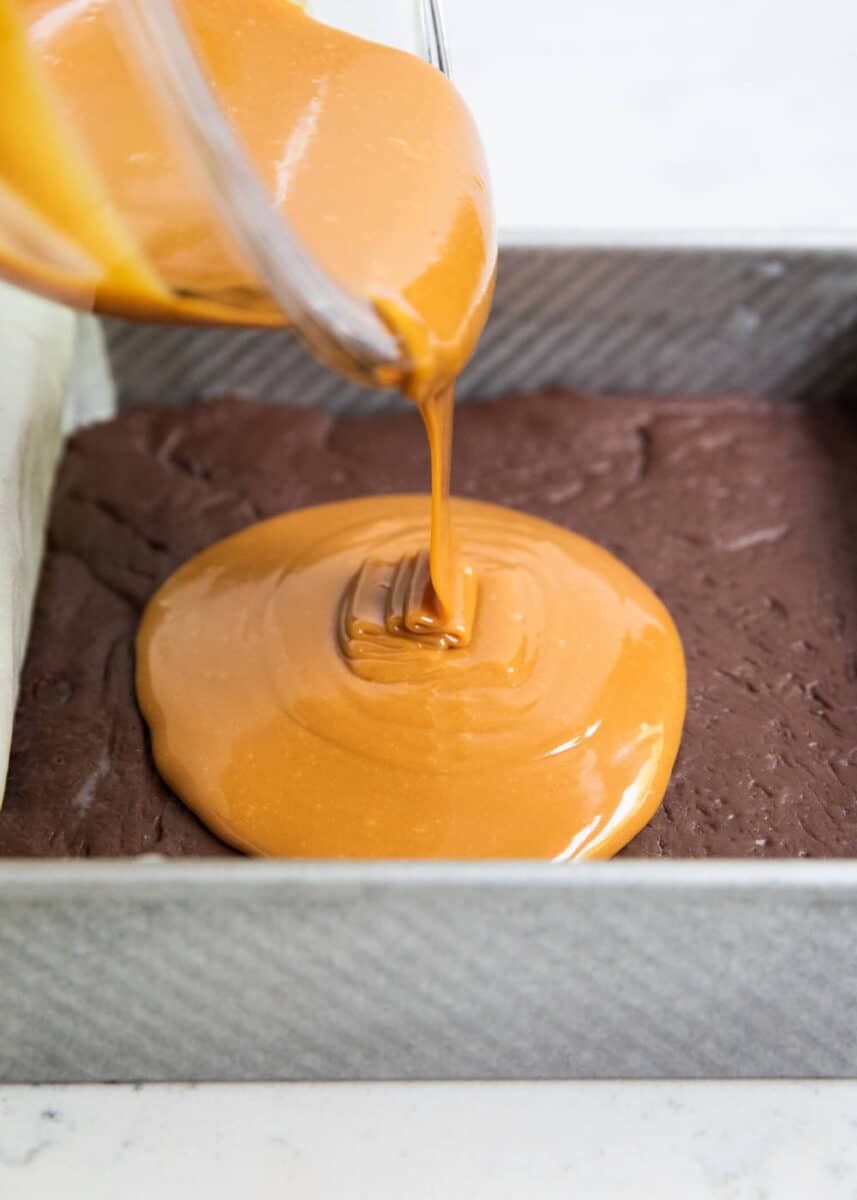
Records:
x=390, y=601
x=443, y=601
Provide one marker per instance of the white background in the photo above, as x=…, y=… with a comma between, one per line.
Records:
x=664, y=115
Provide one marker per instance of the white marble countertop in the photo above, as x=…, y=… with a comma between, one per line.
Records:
x=676, y=1141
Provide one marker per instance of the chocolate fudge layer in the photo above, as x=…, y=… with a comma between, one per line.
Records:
x=741, y=514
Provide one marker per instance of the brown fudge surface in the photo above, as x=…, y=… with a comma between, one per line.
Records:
x=741, y=514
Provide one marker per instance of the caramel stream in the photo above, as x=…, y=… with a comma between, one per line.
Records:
x=343, y=681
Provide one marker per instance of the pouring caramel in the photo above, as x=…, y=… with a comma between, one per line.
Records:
x=385, y=677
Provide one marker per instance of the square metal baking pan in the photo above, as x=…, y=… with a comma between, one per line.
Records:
x=246, y=970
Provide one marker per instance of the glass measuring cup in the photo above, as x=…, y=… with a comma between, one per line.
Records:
x=49, y=240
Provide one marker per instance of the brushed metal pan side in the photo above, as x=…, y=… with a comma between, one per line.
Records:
x=192, y=971
x=694, y=320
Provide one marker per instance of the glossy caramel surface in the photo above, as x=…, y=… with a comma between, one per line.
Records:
x=291, y=721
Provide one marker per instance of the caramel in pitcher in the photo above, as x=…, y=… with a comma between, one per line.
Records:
x=368, y=151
